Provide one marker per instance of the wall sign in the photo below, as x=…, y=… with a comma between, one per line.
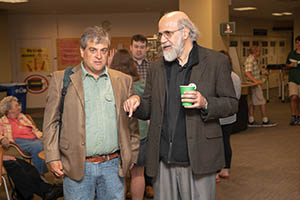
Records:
x=68, y=53
x=36, y=84
x=227, y=28
x=35, y=60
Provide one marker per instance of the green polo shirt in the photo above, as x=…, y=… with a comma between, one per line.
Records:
x=294, y=72
x=100, y=114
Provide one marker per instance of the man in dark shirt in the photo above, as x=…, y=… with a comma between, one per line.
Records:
x=293, y=63
x=185, y=147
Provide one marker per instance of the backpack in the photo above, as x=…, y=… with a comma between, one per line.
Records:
x=66, y=82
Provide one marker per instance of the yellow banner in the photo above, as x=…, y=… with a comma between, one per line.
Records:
x=35, y=60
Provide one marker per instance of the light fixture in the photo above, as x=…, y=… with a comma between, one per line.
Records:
x=282, y=13
x=287, y=13
x=277, y=14
x=245, y=8
x=14, y=1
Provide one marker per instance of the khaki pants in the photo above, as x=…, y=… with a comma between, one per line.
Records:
x=257, y=96
x=294, y=89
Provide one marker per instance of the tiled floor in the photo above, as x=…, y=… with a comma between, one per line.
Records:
x=265, y=163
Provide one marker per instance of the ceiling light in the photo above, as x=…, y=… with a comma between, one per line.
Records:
x=13, y=1
x=287, y=13
x=277, y=14
x=245, y=8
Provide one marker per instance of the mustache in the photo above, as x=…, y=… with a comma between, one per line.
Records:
x=166, y=45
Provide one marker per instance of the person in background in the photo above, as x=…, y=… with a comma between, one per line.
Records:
x=185, y=146
x=293, y=64
x=139, y=48
x=20, y=129
x=123, y=62
x=227, y=125
x=253, y=74
x=98, y=143
x=27, y=180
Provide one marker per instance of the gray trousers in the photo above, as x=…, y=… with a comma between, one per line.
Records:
x=175, y=182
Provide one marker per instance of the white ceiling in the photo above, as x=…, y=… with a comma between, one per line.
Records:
x=264, y=7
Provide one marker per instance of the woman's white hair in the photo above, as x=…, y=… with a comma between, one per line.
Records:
x=5, y=104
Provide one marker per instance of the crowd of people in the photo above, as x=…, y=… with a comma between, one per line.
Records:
x=124, y=115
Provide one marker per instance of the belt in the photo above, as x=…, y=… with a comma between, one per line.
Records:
x=101, y=158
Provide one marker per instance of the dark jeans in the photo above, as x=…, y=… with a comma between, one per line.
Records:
x=26, y=178
x=226, y=130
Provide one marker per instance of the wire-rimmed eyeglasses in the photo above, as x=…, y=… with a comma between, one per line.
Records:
x=167, y=34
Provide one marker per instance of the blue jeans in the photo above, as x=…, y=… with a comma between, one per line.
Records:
x=33, y=147
x=101, y=179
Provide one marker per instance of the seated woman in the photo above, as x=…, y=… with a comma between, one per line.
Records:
x=15, y=126
x=27, y=180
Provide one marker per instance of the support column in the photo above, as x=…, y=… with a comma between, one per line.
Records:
x=296, y=13
x=5, y=49
x=207, y=16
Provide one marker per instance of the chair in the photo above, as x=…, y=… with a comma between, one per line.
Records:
x=13, y=150
x=2, y=172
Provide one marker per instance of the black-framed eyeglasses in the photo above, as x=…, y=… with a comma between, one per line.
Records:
x=167, y=34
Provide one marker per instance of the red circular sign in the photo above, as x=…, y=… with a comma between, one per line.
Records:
x=36, y=84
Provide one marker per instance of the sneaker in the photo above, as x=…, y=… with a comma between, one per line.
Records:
x=294, y=121
x=269, y=124
x=254, y=124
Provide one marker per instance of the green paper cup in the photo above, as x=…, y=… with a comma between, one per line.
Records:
x=183, y=88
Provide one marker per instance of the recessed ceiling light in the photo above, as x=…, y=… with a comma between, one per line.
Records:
x=245, y=8
x=277, y=14
x=13, y=1
x=287, y=13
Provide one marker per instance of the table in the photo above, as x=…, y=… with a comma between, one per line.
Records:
x=242, y=114
x=281, y=68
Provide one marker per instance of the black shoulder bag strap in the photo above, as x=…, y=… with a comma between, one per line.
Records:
x=66, y=82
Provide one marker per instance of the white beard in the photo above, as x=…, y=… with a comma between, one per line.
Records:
x=174, y=52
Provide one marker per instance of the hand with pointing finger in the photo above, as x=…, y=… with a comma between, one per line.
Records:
x=131, y=104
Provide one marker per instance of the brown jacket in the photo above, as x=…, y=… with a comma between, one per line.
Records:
x=71, y=149
x=203, y=131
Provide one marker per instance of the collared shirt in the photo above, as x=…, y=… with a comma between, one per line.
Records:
x=100, y=114
x=6, y=128
x=251, y=65
x=143, y=68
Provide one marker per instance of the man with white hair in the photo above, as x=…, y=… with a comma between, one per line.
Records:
x=185, y=147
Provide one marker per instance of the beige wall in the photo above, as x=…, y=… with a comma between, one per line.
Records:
x=207, y=15
x=220, y=12
x=244, y=27
x=5, y=55
x=198, y=10
x=296, y=22
x=27, y=27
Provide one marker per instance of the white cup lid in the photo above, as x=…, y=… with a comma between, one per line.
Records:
x=193, y=85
